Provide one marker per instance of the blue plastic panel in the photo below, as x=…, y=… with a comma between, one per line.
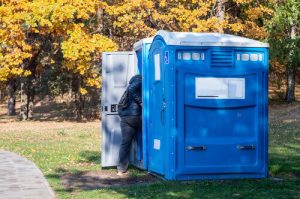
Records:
x=221, y=138
x=139, y=140
x=230, y=133
x=157, y=118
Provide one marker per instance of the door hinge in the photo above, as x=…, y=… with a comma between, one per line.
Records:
x=200, y=148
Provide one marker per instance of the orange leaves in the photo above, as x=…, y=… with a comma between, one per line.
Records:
x=82, y=50
x=236, y=27
x=81, y=46
x=14, y=49
x=243, y=1
x=277, y=66
x=72, y=25
x=27, y=73
x=93, y=82
x=131, y=16
x=4, y=73
x=13, y=56
x=194, y=15
x=259, y=12
x=69, y=22
x=252, y=30
x=83, y=91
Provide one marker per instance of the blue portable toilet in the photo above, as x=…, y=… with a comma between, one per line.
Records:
x=207, y=106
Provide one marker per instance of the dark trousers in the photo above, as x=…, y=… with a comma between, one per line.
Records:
x=130, y=125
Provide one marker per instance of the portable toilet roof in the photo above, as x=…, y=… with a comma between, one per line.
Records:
x=207, y=39
x=138, y=45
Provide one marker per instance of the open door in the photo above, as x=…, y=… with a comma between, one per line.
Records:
x=157, y=112
x=117, y=69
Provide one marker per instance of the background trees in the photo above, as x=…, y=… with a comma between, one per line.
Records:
x=54, y=47
x=37, y=34
x=133, y=20
x=285, y=41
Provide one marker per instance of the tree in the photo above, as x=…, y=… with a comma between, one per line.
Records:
x=82, y=55
x=136, y=19
x=285, y=41
x=14, y=51
x=33, y=32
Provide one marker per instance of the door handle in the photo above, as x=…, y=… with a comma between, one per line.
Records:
x=246, y=147
x=162, y=112
x=200, y=148
x=162, y=116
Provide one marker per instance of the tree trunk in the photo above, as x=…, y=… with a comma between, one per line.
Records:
x=220, y=12
x=76, y=82
x=79, y=103
x=27, y=98
x=291, y=70
x=30, y=96
x=11, y=103
x=100, y=20
x=290, y=89
x=220, y=7
x=24, y=99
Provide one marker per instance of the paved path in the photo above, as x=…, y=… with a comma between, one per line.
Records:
x=21, y=179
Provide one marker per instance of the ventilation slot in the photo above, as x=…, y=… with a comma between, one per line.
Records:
x=221, y=59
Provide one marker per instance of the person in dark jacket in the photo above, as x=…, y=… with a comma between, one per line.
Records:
x=131, y=121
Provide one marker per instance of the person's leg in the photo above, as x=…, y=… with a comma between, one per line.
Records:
x=136, y=122
x=128, y=133
x=139, y=125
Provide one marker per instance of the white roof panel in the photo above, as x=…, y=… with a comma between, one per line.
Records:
x=207, y=39
x=138, y=45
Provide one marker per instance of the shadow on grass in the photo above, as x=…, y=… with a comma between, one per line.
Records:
x=284, y=167
x=50, y=110
x=54, y=111
x=250, y=188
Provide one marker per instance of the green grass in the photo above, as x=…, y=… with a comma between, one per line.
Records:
x=59, y=148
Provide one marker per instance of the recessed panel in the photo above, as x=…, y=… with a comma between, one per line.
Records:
x=219, y=88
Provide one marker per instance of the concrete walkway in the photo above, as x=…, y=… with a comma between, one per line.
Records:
x=21, y=179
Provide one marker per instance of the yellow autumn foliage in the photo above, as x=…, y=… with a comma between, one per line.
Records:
x=81, y=50
x=142, y=18
x=77, y=31
x=67, y=21
x=258, y=12
x=83, y=91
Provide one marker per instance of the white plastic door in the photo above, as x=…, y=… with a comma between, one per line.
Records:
x=117, y=69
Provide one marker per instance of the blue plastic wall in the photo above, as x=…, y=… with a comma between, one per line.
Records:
x=143, y=67
x=220, y=128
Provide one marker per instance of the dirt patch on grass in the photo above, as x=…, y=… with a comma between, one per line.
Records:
x=104, y=179
x=58, y=109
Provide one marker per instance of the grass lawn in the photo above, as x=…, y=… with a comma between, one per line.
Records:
x=60, y=147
